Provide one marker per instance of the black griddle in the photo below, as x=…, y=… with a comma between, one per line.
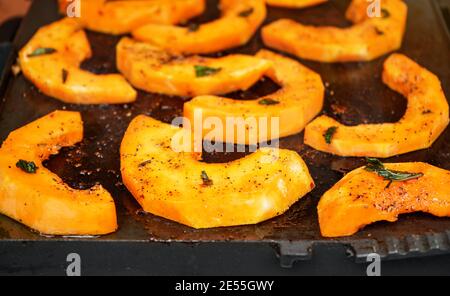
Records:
x=148, y=244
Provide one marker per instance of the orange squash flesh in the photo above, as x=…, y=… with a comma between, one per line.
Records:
x=239, y=21
x=426, y=117
x=298, y=101
x=368, y=39
x=246, y=191
x=362, y=198
x=41, y=200
x=59, y=75
x=121, y=17
x=294, y=3
x=151, y=69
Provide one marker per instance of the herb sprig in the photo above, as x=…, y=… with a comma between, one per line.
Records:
x=376, y=166
x=202, y=71
x=27, y=166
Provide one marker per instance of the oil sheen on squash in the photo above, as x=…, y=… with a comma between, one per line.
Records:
x=38, y=198
x=176, y=185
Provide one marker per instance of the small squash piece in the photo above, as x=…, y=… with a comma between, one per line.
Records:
x=426, y=117
x=298, y=101
x=51, y=61
x=362, y=197
x=151, y=69
x=177, y=186
x=36, y=197
x=367, y=39
x=239, y=21
x=123, y=16
x=294, y=3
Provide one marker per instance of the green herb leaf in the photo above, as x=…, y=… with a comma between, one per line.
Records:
x=193, y=27
x=65, y=75
x=376, y=166
x=268, y=101
x=202, y=71
x=385, y=13
x=206, y=180
x=246, y=13
x=41, y=51
x=328, y=135
x=27, y=166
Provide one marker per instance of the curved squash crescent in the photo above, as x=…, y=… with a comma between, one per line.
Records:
x=239, y=21
x=151, y=69
x=58, y=74
x=367, y=39
x=121, y=17
x=362, y=198
x=426, y=117
x=298, y=101
x=41, y=200
x=294, y=3
x=246, y=191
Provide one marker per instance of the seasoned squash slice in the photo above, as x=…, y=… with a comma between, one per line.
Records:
x=426, y=117
x=363, y=197
x=34, y=196
x=239, y=21
x=294, y=3
x=298, y=101
x=151, y=69
x=367, y=39
x=51, y=61
x=177, y=186
x=123, y=16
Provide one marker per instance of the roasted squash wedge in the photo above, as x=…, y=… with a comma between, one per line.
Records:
x=367, y=39
x=294, y=3
x=151, y=69
x=123, y=16
x=51, y=61
x=239, y=21
x=363, y=197
x=34, y=196
x=426, y=117
x=177, y=186
x=298, y=101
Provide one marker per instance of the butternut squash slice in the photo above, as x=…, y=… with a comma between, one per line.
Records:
x=239, y=21
x=34, y=196
x=298, y=101
x=177, y=186
x=151, y=69
x=294, y=3
x=51, y=61
x=426, y=117
x=362, y=197
x=123, y=16
x=368, y=39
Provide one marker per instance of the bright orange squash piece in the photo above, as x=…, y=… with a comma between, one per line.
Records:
x=151, y=69
x=177, y=186
x=294, y=3
x=363, y=197
x=58, y=74
x=123, y=16
x=426, y=117
x=298, y=101
x=41, y=200
x=368, y=39
x=239, y=21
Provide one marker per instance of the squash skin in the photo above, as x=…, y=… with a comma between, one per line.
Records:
x=300, y=100
x=121, y=17
x=294, y=3
x=153, y=70
x=246, y=191
x=362, y=198
x=72, y=47
x=426, y=117
x=366, y=40
x=42, y=201
x=229, y=31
